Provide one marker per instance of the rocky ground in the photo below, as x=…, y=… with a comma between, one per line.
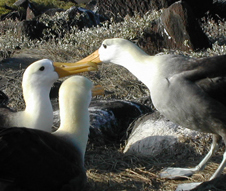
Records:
x=107, y=167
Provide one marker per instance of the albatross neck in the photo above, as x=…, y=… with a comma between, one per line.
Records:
x=74, y=124
x=38, y=113
x=141, y=65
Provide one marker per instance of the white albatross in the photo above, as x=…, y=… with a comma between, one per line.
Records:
x=37, y=81
x=190, y=92
x=35, y=160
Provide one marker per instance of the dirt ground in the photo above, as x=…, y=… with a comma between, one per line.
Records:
x=108, y=169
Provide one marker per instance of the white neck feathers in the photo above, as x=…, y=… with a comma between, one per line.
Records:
x=38, y=113
x=74, y=114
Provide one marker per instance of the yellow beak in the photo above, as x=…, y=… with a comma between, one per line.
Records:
x=86, y=64
x=97, y=90
x=94, y=58
x=67, y=69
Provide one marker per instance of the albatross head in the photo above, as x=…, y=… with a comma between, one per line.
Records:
x=40, y=74
x=37, y=81
x=117, y=51
x=45, y=72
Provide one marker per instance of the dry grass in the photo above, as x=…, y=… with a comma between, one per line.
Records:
x=107, y=167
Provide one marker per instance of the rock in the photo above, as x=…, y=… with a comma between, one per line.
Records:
x=177, y=29
x=111, y=118
x=118, y=9
x=152, y=134
x=87, y=18
x=21, y=3
x=50, y=24
x=218, y=10
x=13, y=15
x=181, y=27
x=32, y=29
x=3, y=99
x=199, y=7
x=31, y=10
x=53, y=11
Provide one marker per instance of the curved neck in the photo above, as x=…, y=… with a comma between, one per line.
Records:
x=74, y=123
x=38, y=113
x=140, y=65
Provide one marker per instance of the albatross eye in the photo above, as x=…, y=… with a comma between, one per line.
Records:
x=42, y=68
x=105, y=46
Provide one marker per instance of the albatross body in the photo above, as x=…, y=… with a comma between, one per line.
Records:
x=37, y=81
x=190, y=92
x=34, y=160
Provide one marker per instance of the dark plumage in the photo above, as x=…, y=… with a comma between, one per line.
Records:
x=38, y=161
x=35, y=160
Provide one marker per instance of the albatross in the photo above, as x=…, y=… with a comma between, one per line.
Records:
x=35, y=160
x=37, y=81
x=188, y=91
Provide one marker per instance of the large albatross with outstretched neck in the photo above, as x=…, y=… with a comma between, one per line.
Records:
x=35, y=160
x=37, y=81
x=190, y=92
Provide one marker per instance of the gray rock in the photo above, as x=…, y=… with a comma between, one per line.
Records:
x=118, y=9
x=177, y=28
x=153, y=134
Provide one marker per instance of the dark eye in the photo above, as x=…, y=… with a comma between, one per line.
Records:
x=42, y=68
x=105, y=46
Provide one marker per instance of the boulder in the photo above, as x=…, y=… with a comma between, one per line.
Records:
x=177, y=28
x=218, y=10
x=32, y=29
x=118, y=9
x=53, y=11
x=199, y=7
x=87, y=18
x=31, y=10
x=111, y=118
x=13, y=15
x=4, y=100
x=48, y=22
x=153, y=134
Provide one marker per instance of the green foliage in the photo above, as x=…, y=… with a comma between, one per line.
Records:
x=41, y=4
x=54, y=3
x=3, y=10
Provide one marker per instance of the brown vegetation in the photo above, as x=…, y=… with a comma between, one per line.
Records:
x=107, y=167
